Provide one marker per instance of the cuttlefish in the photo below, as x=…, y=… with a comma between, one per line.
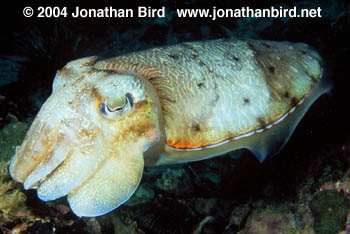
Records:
x=108, y=118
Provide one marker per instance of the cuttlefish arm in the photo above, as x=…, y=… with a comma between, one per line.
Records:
x=111, y=185
x=88, y=139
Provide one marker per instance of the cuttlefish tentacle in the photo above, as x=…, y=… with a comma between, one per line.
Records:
x=106, y=119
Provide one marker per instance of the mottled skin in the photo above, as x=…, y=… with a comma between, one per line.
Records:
x=173, y=104
x=217, y=91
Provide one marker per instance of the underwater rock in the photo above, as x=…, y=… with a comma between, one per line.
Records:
x=172, y=179
x=12, y=201
x=122, y=223
x=143, y=194
x=342, y=186
x=8, y=111
x=204, y=206
x=239, y=214
x=164, y=216
x=330, y=209
x=274, y=220
x=93, y=226
x=11, y=198
x=10, y=67
x=11, y=136
x=271, y=221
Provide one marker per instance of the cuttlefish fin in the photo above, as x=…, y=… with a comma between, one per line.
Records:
x=271, y=141
x=110, y=186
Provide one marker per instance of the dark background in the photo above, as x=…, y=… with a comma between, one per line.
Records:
x=33, y=49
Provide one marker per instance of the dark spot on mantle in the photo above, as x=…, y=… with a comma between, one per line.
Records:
x=286, y=94
x=196, y=127
x=200, y=85
x=246, y=100
x=169, y=100
x=194, y=56
x=217, y=97
x=294, y=101
x=261, y=122
x=201, y=63
x=174, y=56
x=271, y=69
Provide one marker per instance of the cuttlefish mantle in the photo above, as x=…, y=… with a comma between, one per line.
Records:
x=105, y=119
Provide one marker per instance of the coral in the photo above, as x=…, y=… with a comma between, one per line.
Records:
x=341, y=185
x=12, y=200
x=330, y=209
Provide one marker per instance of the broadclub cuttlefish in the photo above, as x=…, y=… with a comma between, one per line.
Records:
x=107, y=118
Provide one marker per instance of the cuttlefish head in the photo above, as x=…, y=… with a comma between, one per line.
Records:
x=88, y=139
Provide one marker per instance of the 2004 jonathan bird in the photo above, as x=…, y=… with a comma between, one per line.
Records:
x=107, y=118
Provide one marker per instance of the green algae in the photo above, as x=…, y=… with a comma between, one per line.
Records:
x=330, y=209
x=11, y=136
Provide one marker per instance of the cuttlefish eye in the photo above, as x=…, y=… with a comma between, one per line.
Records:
x=112, y=106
